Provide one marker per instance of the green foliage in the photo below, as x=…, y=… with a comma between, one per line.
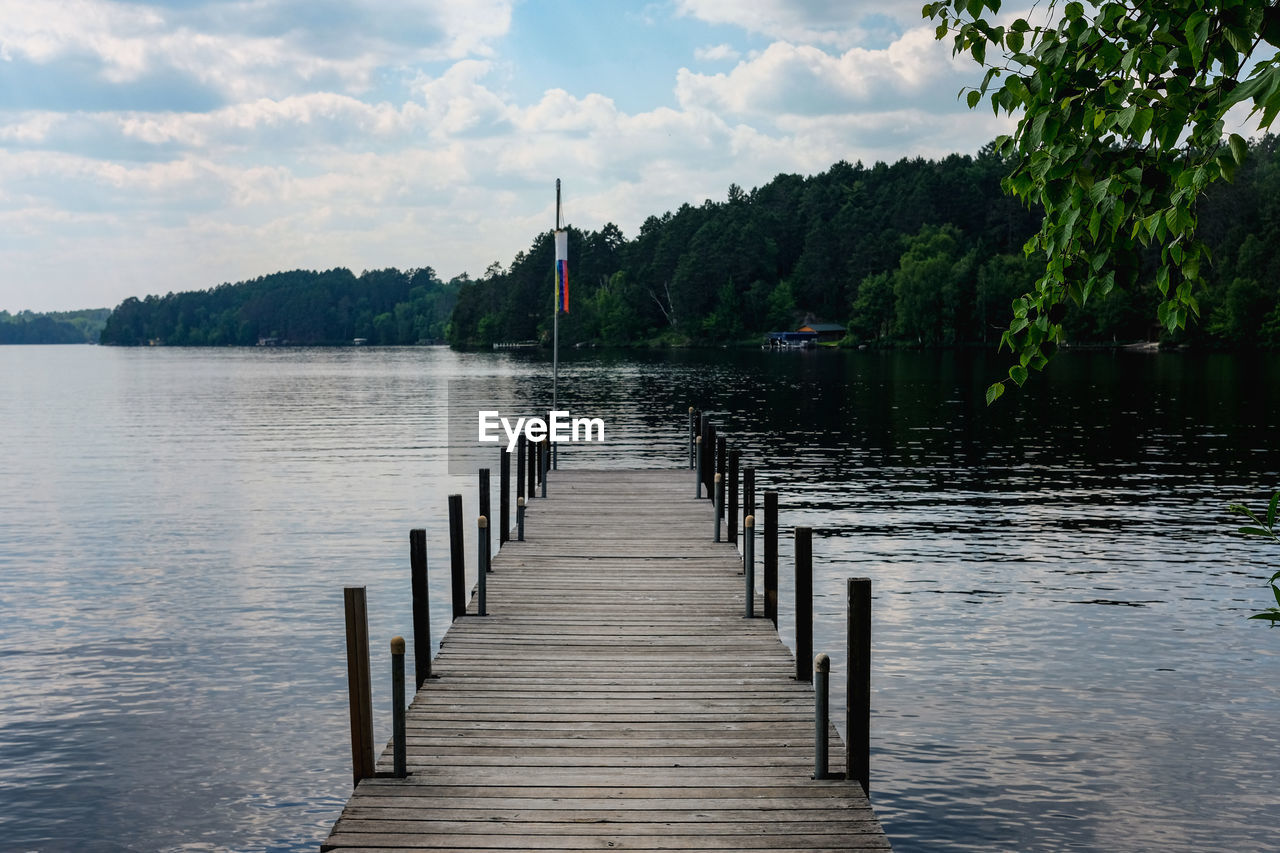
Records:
x=55, y=327
x=1266, y=528
x=1120, y=135
x=300, y=308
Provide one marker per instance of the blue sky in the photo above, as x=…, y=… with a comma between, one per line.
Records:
x=173, y=145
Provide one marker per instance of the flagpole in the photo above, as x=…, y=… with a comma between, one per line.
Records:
x=555, y=331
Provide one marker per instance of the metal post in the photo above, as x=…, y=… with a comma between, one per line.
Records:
x=457, y=557
x=421, y=606
x=748, y=491
x=397, y=707
x=520, y=518
x=359, y=691
x=482, y=564
x=484, y=507
x=719, y=499
x=749, y=562
x=858, y=694
x=720, y=472
x=504, y=498
x=731, y=511
x=804, y=603
x=821, y=714
x=771, y=556
x=697, y=469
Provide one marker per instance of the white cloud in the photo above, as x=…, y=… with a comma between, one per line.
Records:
x=831, y=23
x=798, y=79
x=716, y=53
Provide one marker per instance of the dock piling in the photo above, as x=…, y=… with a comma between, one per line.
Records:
x=691, y=436
x=719, y=499
x=720, y=472
x=482, y=562
x=484, y=508
x=749, y=562
x=532, y=470
x=457, y=557
x=421, y=606
x=771, y=556
x=520, y=518
x=546, y=462
x=821, y=713
x=804, y=603
x=359, y=691
x=504, y=498
x=697, y=469
x=858, y=693
x=748, y=492
x=398, y=744
x=731, y=488
x=520, y=452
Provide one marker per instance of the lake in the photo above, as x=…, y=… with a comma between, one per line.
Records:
x=1061, y=655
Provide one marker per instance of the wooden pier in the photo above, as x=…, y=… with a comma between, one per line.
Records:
x=614, y=697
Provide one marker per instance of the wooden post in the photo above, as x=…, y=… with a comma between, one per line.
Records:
x=731, y=511
x=546, y=465
x=457, y=557
x=359, y=691
x=520, y=451
x=719, y=503
x=749, y=563
x=692, y=432
x=697, y=469
x=748, y=492
x=484, y=505
x=531, y=470
x=520, y=518
x=398, y=747
x=504, y=498
x=858, y=695
x=720, y=472
x=771, y=556
x=709, y=460
x=821, y=714
x=421, y=607
x=482, y=563
x=804, y=603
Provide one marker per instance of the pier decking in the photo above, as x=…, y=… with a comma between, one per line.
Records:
x=613, y=698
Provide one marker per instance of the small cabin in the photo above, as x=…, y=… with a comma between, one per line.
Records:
x=824, y=332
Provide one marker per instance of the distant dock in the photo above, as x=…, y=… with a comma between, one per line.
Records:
x=613, y=697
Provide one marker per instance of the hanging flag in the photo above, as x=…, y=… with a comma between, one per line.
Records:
x=562, y=271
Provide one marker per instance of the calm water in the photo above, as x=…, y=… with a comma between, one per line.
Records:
x=1061, y=655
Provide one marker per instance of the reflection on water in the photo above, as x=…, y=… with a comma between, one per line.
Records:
x=1061, y=658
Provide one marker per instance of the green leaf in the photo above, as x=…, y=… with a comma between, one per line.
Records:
x=1197, y=32
x=973, y=97
x=1251, y=531
x=1018, y=374
x=994, y=391
x=1073, y=11
x=1271, y=510
x=1272, y=617
x=1141, y=123
x=1239, y=148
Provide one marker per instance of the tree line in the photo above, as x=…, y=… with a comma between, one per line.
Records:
x=916, y=253
x=53, y=327
x=301, y=307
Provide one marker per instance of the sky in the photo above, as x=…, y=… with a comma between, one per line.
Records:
x=171, y=145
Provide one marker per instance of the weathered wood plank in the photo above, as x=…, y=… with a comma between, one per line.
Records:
x=613, y=698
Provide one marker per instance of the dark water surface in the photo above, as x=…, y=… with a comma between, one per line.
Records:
x=1061, y=655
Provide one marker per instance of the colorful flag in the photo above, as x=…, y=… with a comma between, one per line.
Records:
x=562, y=271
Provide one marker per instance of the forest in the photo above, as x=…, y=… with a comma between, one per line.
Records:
x=298, y=308
x=54, y=327
x=917, y=253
